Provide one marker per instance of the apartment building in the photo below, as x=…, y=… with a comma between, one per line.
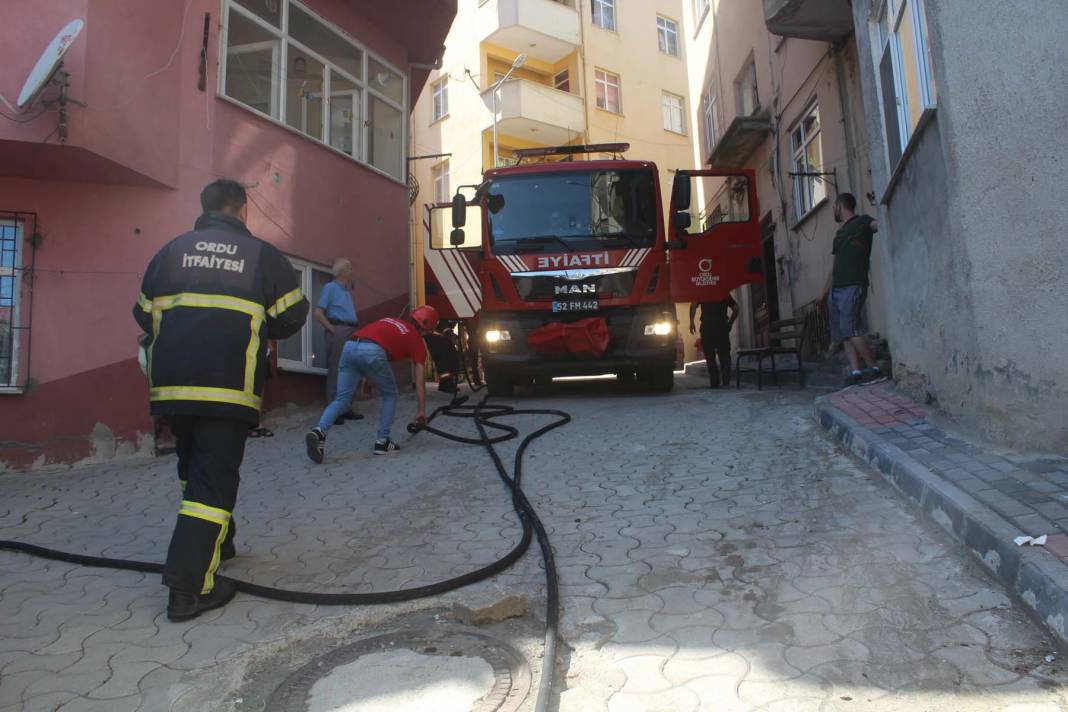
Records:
x=595, y=71
x=790, y=109
x=306, y=103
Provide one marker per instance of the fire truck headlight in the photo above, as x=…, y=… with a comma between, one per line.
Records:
x=494, y=336
x=660, y=328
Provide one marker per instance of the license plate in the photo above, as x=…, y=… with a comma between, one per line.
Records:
x=577, y=305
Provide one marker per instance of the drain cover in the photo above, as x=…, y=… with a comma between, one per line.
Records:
x=409, y=671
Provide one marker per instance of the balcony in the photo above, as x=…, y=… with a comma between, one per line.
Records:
x=546, y=29
x=826, y=20
x=536, y=112
x=742, y=137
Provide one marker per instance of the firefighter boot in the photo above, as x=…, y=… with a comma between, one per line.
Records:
x=184, y=605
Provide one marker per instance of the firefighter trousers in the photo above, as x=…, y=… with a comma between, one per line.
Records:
x=716, y=342
x=210, y=451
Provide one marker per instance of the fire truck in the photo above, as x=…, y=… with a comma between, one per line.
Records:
x=561, y=266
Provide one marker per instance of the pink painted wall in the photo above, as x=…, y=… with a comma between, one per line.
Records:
x=146, y=115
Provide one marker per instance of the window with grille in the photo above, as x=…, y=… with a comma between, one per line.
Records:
x=708, y=118
x=305, y=351
x=11, y=235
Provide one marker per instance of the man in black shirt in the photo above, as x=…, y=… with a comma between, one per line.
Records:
x=716, y=337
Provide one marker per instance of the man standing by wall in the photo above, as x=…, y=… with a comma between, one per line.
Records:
x=210, y=300
x=847, y=286
x=336, y=311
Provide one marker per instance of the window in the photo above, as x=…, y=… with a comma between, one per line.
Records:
x=562, y=81
x=667, y=36
x=708, y=118
x=905, y=72
x=306, y=350
x=672, y=107
x=604, y=14
x=746, y=91
x=10, y=290
x=331, y=89
x=607, y=91
x=807, y=148
x=440, y=100
x=441, y=182
x=700, y=7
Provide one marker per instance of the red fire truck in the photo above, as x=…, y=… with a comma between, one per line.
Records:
x=559, y=266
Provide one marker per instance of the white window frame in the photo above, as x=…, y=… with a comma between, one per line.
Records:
x=894, y=11
x=439, y=99
x=700, y=9
x=605, y=82
x=361, y=147
x=306, y=331
x=666, y=29
x=747, y=79
x=607, y=9
x=440, y=175
x=708, y=117
x=805, y=187
x=668, y=110
x=15, y=271
x=566, y=74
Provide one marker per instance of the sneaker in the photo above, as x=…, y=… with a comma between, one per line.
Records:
x=316, y=442
x=854, y=378
x=183, y=605
x=873, y=375
x=385, y=446
x=447, y=385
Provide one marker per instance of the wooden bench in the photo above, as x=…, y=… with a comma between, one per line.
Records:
x=786, y=338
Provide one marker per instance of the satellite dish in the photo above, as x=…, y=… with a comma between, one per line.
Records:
x=49, y=62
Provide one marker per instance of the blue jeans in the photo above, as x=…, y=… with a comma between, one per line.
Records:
x=359, y=360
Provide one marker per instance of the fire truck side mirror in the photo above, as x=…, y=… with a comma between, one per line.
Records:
x=459, y=213
x=680, y=192
x=456, y=237
x=682, y=221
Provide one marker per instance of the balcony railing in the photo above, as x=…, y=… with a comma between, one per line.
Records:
x=546, y=29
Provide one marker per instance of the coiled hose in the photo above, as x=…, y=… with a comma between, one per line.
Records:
x=484, y=416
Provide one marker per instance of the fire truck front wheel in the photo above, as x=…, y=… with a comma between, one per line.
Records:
x=498, y=383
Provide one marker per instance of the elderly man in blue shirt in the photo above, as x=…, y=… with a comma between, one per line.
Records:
x=336, y=311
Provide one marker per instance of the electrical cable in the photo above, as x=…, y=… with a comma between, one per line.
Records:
x=484, y=416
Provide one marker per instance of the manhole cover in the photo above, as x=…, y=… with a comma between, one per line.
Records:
x=411, y=671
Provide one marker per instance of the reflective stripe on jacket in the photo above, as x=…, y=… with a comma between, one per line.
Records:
x=210, y=300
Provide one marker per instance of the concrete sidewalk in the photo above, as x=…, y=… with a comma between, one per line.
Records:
x=985, y=498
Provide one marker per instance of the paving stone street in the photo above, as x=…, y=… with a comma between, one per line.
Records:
x=716, y=553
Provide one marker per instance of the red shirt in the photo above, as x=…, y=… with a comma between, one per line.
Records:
x=398, y=339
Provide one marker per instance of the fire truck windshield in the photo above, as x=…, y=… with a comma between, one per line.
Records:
x=572, y=210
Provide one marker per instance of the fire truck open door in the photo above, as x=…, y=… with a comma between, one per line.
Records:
x=714, y=234
x=451, y=273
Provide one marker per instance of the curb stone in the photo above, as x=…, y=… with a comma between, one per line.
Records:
x=1031, y=574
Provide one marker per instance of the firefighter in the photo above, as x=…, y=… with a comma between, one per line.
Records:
x=210, y=301
x=368, y=355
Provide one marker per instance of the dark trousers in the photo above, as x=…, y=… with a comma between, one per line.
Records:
x=443, y=352
x=210, y=451
x=716, y=342
x=335, y=344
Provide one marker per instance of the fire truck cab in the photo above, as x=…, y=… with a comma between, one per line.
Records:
x=564, y=267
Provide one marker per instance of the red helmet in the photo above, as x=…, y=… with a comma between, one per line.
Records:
x=426, y=317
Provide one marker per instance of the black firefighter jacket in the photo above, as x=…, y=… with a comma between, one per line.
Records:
x=209, y=301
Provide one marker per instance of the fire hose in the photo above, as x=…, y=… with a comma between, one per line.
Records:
x=484, y=416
